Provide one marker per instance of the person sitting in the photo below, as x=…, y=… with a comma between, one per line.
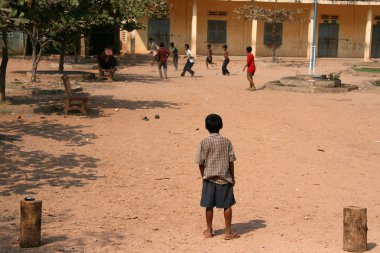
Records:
x=107, y=63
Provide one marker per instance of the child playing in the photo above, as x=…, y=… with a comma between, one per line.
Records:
x=162, y=58
x=153, y=47
x=175, y=55
x=209, y=55
x=216, y=158
x=226, y=61
x=251, y=68
x=190, y=61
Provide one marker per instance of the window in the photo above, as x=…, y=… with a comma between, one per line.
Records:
x=217, y=13
x=332, y=19
x=217, y=31
x=269, y=36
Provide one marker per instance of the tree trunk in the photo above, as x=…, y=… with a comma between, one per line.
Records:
x=274, y=41
x=4, y=63
x=354, y=229
x=62, y=52
x=76, y=52
x=35, y=63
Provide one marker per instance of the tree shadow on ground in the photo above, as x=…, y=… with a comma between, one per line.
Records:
x=110, y=102
x=137, y=78
x=54, y=104
x=25, y=171
x=371, y=246
x=245, y=227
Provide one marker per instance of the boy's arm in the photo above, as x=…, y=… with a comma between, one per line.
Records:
x=232, y=171
x=202, y=170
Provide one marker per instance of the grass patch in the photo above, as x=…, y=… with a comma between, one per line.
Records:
x=14, y=85
x=368, y=70
x=376, y=83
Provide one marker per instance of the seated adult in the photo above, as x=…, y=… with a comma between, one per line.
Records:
x=107, y=63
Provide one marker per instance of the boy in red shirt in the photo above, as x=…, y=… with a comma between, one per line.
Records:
x=251, y=68
x=162, y=59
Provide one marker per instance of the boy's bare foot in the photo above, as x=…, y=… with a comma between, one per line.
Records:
x=207, y=234
x=231, y=236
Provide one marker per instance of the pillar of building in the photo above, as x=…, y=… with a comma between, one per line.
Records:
x=310, y=33
x=254, y=37
x=194, y=28
x=368, y=35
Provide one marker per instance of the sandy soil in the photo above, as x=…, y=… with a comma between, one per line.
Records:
x=113, y=182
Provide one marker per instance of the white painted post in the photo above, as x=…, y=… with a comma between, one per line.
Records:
x=254, y=37
x=368, y=35
x=194, y=28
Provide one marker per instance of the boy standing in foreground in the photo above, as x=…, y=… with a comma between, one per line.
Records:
x=216, y=158
x=251, y=68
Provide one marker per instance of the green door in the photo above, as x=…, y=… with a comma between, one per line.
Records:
x=375, y=45
x=158, y=29
x=328, y=36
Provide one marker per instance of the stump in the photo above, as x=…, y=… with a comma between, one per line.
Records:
x=30, y=223
x=354, y=229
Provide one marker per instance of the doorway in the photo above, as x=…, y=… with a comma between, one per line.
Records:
x=375, y=44
x=328, y=36
x=158, y=30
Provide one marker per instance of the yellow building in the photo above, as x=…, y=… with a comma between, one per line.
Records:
x=343, y=29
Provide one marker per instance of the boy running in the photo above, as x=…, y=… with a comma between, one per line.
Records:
x=175, y=55
x=209, y=55
x=251, y=68
x=226, y=61
x=190, y=61
x=162, y=59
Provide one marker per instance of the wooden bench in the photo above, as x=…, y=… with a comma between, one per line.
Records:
x=74, y=100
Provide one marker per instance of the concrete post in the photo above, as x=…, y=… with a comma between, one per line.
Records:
x=310, y=33
x=254, y=37
x=194, y=28
x=368, y=35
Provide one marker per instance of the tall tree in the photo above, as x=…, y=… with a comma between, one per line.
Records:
x=9, y=20
x=78, y=17
x=273, y=16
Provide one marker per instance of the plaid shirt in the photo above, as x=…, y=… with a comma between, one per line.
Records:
x=215, y=153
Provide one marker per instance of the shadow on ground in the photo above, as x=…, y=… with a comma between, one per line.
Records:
x=245, y=227
x=25, y=171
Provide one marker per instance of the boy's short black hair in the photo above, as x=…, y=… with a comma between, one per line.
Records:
x=171, y=44
x=150, y=38
x=225, y=46
x=249, y=49
x=187, y=45
x=208, y=45
x=162, y=44
x=214, y=123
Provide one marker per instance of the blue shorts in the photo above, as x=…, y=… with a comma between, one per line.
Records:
x=217, y=195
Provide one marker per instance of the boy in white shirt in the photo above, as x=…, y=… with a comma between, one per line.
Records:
x=190, y=61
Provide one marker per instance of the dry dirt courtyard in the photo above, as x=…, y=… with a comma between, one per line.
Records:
x=112, y=182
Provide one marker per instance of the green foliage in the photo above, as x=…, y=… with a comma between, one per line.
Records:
x=268, y=15
x=334, y=76
x=368, y=70
x=376, y=83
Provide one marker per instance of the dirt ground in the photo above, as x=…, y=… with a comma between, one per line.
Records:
x=112, y=182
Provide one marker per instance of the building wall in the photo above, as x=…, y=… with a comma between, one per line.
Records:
x=352, y=24
x=294, y=37
x=238, y=32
